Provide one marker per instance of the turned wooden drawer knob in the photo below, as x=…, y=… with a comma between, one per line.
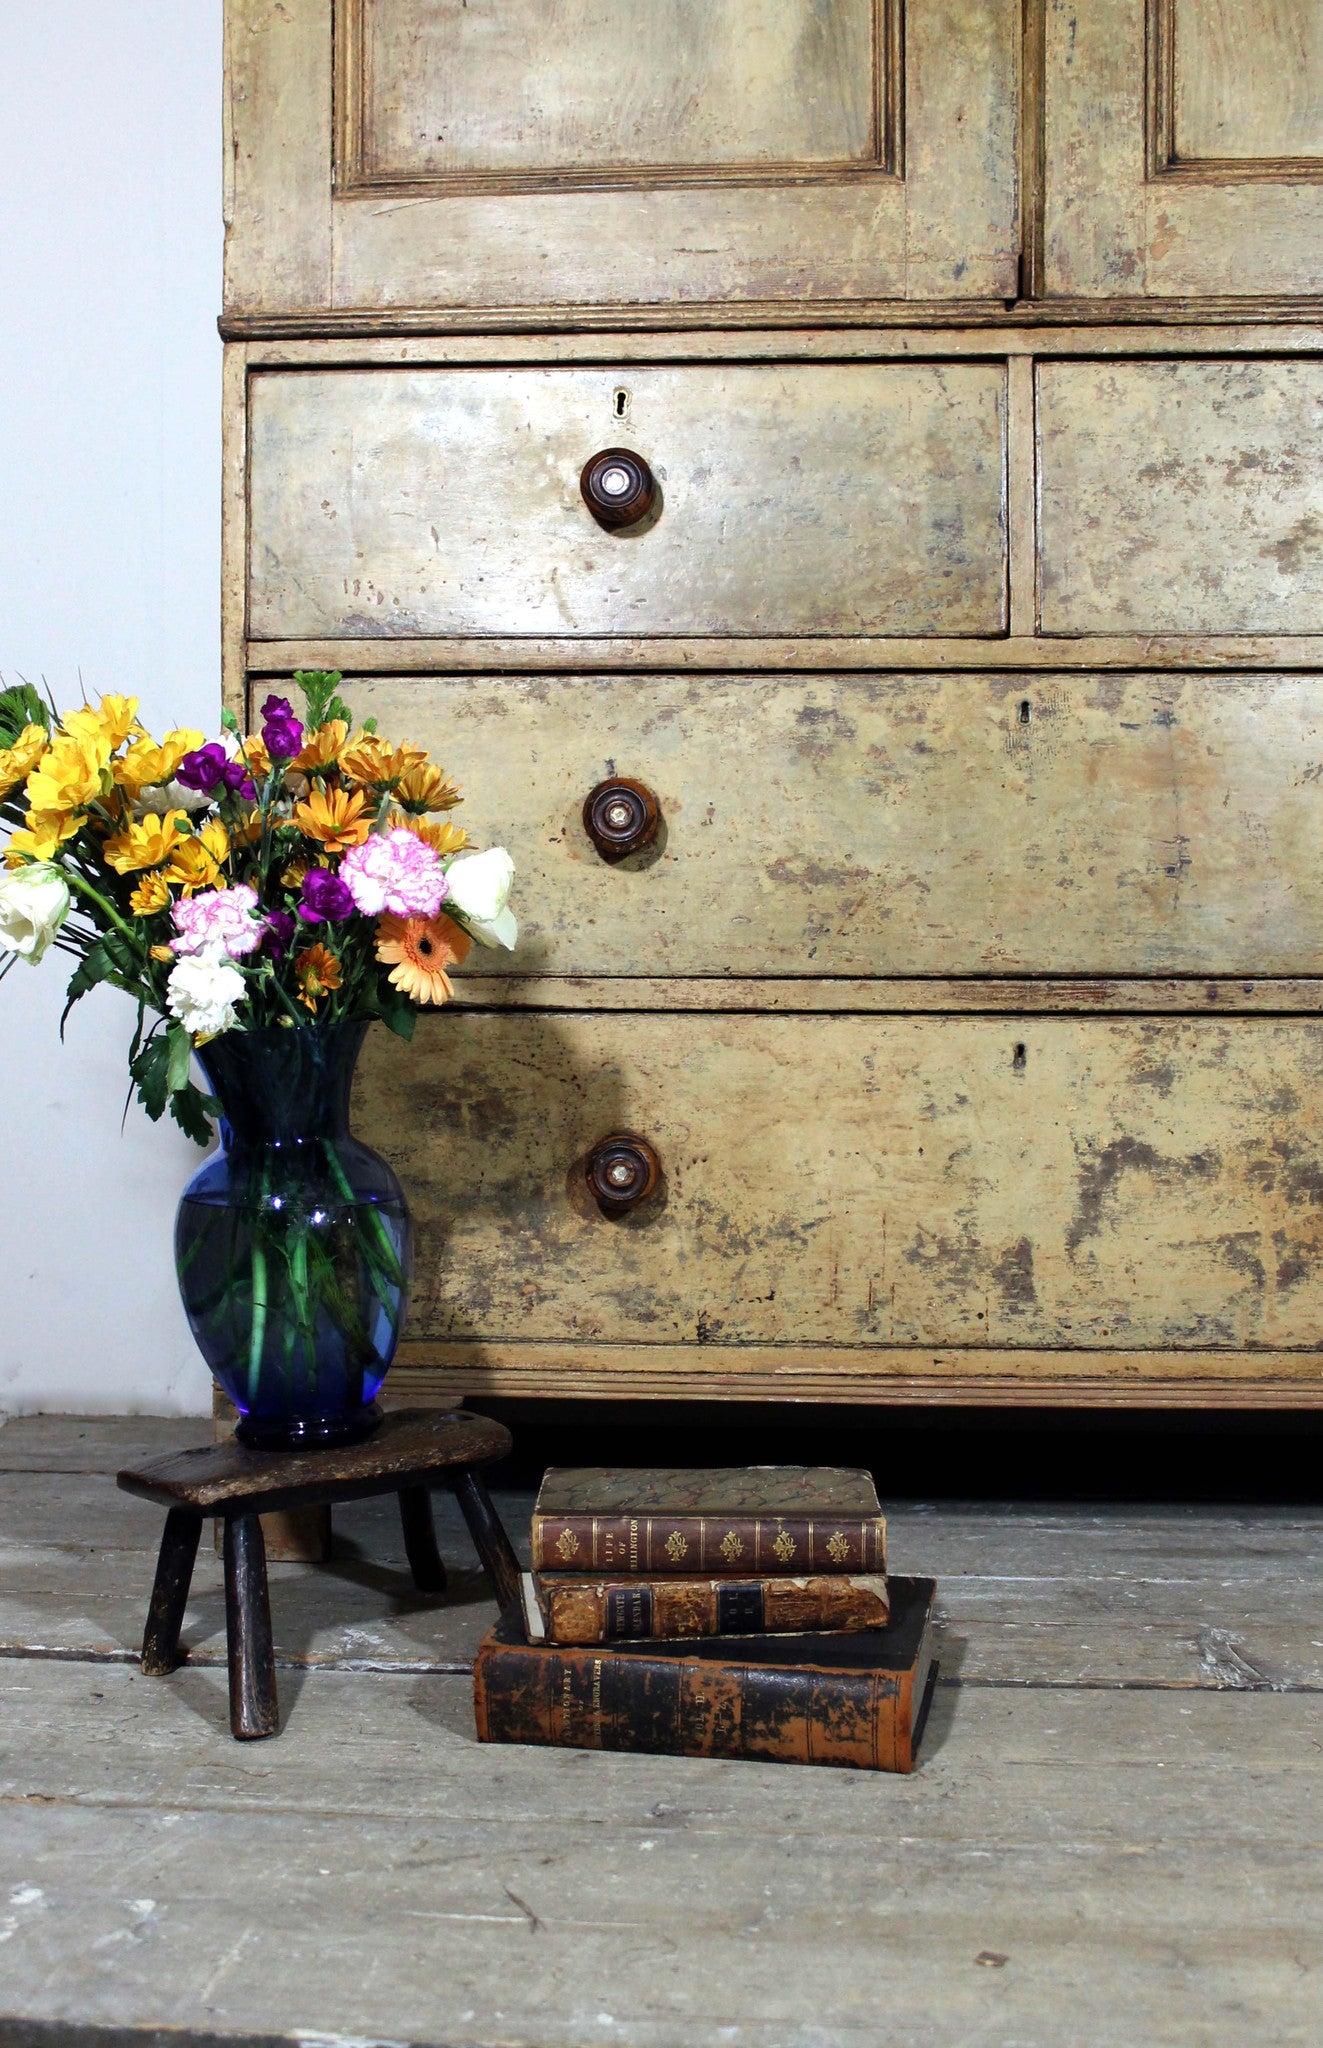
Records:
x=618, y=488
x=620, y=817
x=622, y=1172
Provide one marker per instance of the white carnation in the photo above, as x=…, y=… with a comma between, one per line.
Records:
x=34, y=902
x=479, y=893
x=203, y=993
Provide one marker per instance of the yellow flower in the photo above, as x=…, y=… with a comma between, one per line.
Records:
x=418, y=951
x=146, y=765
x=108, y=726
x=423, y=787
x=164, y=953
x=336, y=818
x=68, y=775
x=152, y=894
x=443, y=839
x=322, y=747
x=20, y=759
x=145, y=844
x=319, y=972
x=367, y=758
x=291, y=876
x=255, y=754
x=196, y=862
x=42, y=836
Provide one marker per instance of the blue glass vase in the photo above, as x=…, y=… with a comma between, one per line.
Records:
x=292, y=1243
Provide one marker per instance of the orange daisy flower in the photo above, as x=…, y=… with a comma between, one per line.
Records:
x=443, y=839
x=418, y=951
x=424, y=787
x=336, y=818
x=319, y=972
x=322, y=747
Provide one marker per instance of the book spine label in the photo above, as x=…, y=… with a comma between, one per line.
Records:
x=586, y=1699
x=581, y=1610
x=684, y=1545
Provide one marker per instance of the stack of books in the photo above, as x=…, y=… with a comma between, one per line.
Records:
x=743, y=1613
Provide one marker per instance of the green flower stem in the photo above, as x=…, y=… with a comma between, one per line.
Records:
x=107, y=909
x=257, y=1335
x=389, y=1263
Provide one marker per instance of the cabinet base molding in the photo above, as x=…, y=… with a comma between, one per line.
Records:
x=897, y=1376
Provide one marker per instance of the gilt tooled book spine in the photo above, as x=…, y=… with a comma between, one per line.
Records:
x=837, y=1700
x=700, y=1546
x=578, y=1610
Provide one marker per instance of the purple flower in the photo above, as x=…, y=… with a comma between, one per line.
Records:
x=210, y=768
x=325, y=896
x=282, y=734
x=279, y=932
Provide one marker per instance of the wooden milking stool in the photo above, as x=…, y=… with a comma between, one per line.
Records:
x=410, y=1453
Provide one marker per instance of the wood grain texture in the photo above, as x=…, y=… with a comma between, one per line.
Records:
x=1247, y=80
x=918, y=825
x=1111, y=230
x=277, y=154
x=804, y=500
x=927, y=995
x=1048, y=1183
x=533, y=94
x=1181, y=497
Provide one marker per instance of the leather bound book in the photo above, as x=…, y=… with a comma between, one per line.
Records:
x=562, y=1608
x=858, y=1700
x=759, y=1521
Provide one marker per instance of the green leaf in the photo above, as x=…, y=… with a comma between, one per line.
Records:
x=150, y=1071
x=399, y=1015
x=95, y=966
x=21, y=705
x=192, y=1111
x=319, y=686
x=180, y=1058
x=229, y=723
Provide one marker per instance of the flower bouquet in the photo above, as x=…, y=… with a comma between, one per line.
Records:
x=262, y=899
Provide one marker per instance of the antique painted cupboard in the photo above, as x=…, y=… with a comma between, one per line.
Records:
x=917, y=803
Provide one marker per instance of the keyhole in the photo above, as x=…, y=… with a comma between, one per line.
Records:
x=1019, y=1059
x=620, y=403
x=1024, y=711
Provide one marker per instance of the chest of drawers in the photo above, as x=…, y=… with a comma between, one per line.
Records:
x=968, y=988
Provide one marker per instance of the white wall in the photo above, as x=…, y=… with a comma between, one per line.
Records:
x=110, y=242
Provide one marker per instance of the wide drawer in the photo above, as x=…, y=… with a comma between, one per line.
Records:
x=805, y=498
x=862, y=1181
x=896, y=825
x=1181, y=497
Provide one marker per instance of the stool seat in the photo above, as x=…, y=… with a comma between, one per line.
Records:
x=412, y=1451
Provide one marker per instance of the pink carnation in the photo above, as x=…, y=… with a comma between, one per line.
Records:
x=395, y=872
x=222, y=921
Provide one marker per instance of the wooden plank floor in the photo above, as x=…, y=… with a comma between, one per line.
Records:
x=1116, y=1834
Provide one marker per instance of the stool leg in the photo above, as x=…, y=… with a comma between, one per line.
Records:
x=254, y=1711
x=429, y=1574
x=490, y=1540
x=174, y=1576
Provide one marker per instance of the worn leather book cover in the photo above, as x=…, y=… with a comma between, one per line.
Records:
x=560, y=1607
x=858, y=1700
x=759, y=1521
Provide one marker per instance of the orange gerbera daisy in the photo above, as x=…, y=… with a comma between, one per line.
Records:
x=336, y=818
x=319, y=972
x=418, y=951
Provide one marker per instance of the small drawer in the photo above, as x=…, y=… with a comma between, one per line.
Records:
x=1181, y=497
x=800, y=499
x=895, y=825
x=858, y=1181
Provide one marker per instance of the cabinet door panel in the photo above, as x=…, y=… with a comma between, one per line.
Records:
x=893, y=826
x=1184, y=148
x=796, y=499
x=850, y=1180
x=616, y=153
x=1181, y=497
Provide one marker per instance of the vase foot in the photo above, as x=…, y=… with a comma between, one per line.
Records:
x=307, y=1432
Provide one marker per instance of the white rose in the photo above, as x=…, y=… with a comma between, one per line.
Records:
x=169, y=796
x=34, y=902
x=202, y=993
x=478, y=894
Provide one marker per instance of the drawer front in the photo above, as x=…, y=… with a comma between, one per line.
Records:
x=862, y=1181
x=906, y=825
x=795, y=499
x=1181, y=497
